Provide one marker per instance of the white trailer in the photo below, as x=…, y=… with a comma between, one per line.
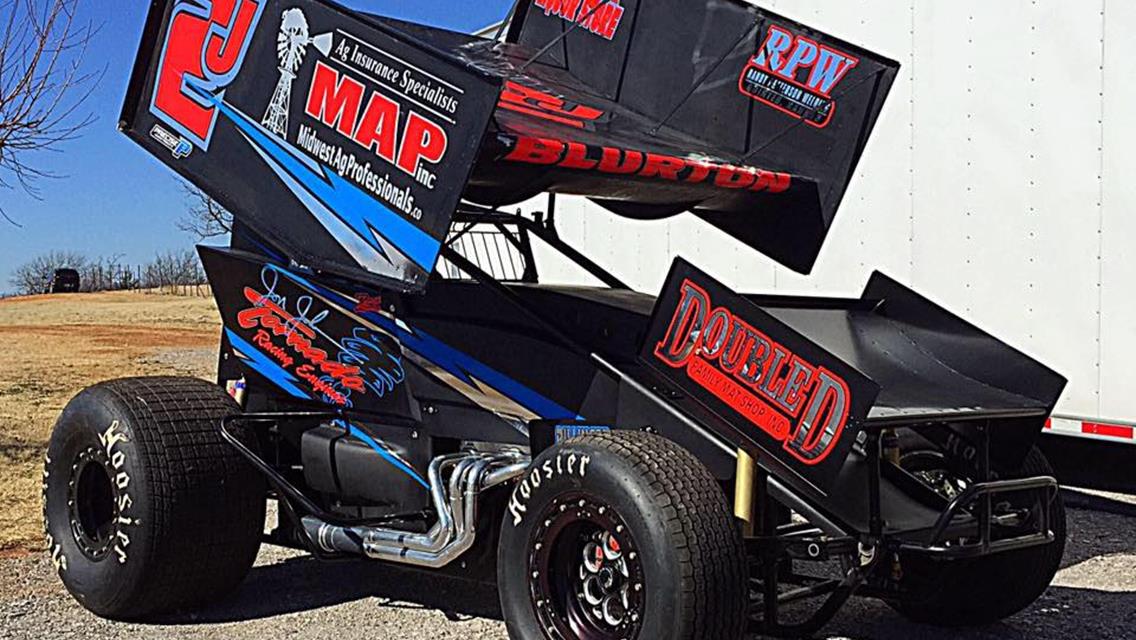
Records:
x=1000, y=183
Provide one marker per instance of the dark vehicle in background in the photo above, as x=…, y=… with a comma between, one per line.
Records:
x=64, y=281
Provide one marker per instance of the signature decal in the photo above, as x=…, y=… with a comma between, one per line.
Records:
x=335, y=367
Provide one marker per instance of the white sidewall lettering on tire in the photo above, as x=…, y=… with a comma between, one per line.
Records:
x=112, y=439
x=58, y=558
x=565, y=464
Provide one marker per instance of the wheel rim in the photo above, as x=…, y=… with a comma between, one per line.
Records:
x=91, y=504
x=586, y=576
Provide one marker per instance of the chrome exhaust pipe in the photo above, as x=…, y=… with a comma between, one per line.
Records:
x=438, y=536
x=456, y=504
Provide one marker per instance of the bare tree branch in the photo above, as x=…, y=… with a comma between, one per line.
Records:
x=204, y=217
x=43, y=86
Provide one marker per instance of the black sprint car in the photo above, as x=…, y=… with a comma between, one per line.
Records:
x=397, y=375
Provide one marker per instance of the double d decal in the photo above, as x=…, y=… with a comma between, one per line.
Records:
x=779, y=390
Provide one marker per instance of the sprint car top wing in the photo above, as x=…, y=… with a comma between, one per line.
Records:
x=347, y=140
x=780, y=110
x=752, y=121
x=345, y=143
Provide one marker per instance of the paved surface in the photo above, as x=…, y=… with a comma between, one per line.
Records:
x=290, y=596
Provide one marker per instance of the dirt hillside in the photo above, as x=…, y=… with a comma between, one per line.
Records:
x=55, y=345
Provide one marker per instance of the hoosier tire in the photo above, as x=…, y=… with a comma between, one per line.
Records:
x=985, y=590
x=147, y=510
x=621, y=535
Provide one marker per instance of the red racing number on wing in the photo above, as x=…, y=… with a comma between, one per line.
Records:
x=205, y=46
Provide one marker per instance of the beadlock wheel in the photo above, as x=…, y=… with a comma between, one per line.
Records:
x=588, y=581
x=91, y=505
x=621, y=536
x=146, y=509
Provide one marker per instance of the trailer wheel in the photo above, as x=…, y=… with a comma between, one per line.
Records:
x=982, y=590
x=621, y=535
x=146, y=509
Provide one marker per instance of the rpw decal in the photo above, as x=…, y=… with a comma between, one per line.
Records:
x=800, y=405
x=796, y=75
x=599, y=17
x=336, y=100
x=205, y=46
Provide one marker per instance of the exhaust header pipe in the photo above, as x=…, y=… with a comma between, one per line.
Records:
x=455, y=500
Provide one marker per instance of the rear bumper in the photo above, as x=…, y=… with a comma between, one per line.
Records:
x=967, y=528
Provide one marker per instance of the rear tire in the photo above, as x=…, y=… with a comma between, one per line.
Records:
x=147, y=510
x=621, y=535
x=985, y=590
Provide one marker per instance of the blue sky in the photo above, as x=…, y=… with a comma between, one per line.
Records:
x=117, y=200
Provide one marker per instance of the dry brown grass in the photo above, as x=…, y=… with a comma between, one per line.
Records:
x=54, y=346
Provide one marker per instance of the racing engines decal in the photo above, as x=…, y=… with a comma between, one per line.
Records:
x=796, y=75
x=305, y=344
x=361, y=361
x=784, y=393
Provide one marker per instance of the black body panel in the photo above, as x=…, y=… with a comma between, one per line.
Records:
x=338, y=465
x=306, y=347
x=905, y=353
x=481, y=362
x=650, y=127
x=344, y=142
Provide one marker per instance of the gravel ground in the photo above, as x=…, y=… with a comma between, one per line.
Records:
x=288, y=595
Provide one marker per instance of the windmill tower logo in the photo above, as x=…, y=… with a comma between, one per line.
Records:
x=291, y=46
